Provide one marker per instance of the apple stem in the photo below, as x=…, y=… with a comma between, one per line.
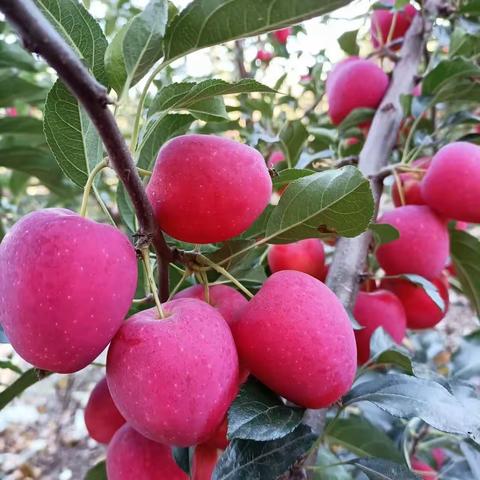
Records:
x=88, y=186
x=184, y=276
x=226, y=274
x=398, y=181
x=144, y=173
x=392, y=27
x=206, y=288
x=148, y=268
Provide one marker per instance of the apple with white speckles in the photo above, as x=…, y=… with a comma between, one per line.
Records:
x=173, y=379
x=66, y=284
x=296, y=338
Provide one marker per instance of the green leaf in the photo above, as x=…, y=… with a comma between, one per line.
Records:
x=384, y=350
x=12, y=55
x=137, y=46
x=125, y=208
x=29, y=126
x=80, y=30
x=463, y=44
x=14, y=88
x=71, y=134
x=183, y=457
x=8, y=365
x=293, y=136
x=383, y=233
x=157, y=134
x=470, y=7
x=258, y=414
x=362, y=438
x=348, y=42
x=465, y=253
x=355, y=118
x=471, y=453
x=289, y=175
x=210, y=110
x=229, y=249
x=336, y=201
x=259, y=226
x=204, y=23
x=98, y=472
x=22, y=383
x=379, y=469
x=466, y=360
x=248, y=459
x=329, y=467
x=408, y=397
x=448, y=71
x=429, y=288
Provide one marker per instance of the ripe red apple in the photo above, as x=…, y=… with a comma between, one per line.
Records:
x=174, y=379
x=264, y=56
x=131, y=456
x=451, y=184
x=345, y=91
x=423, y=245
x=66, y=284
x=204, y=461
x=378, y=309
x=219, y=439
x=283, y=34
x=411, y=184
x=419, y=466
x=382, y=20
x=307, y=256
x=275, y=158
x=296, y=338
x=102, y=417
x=421, y=310
x=207, y=189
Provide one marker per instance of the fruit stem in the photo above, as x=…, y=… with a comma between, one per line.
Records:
x=392, y=28
x=88, y=186
x=184, y=276
x=143, y=172
x=151, y=280
x=224, y=272
x=206, y=288
x=398, y=181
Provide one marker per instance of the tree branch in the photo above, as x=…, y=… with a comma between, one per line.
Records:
x=240, y=60
x=40, y=37
x=350, y=255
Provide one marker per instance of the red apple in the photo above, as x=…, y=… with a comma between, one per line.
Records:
x=411, y=184
x=439, y=456
x=296, y=338
x=451, y=184
x=283, y=34
x=102, y=417
x=419, y=466
x=382, y=20
x=423, y=245
x=422, y=311
x=174, y=379
x=378, y=309
x=264, y=56
x=275, y=158
x=130, y=456
x=204, y=461
x=346, y=92
x=307, y=256
x=219, y=439
x=207, y=189
x=66, y=284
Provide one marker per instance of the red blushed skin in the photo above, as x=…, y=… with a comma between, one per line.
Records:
x=451, y=185
x=66, y=284
x=411, y=184
x=228, y=301
x=353, y=84
x=283, y=34
x=378, y=309
x=275, y=158
x=219, y=439
x=296, y=338
x=382, y=20
x=422, y=312
x=131, y=456
x=419, y=466
x=423, y=246
x=207, y=189
x=439, y=456
x=204, y=461
x=307, y=256
x=102, y=417
x=264, y=56
x=174, y=379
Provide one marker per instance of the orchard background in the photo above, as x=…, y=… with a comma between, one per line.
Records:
x=343, y=105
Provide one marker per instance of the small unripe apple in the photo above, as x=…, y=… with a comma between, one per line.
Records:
x=207, y=189
x=423, y=245
x=411, y=184
x=296, y=338
x=307, y=256
x=382, y=22
x=378, y=309
x=422, y=311
x=66, y=284
x=204, y=461
x=174, y=379
x=264, y=56
x=102, y=417
x=131, y=456
x=283, y=34
x=354, y=83
x=419, y=466
x=451, y=184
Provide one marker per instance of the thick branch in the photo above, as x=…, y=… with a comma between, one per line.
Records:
x=240, y=60
x=40, y=37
